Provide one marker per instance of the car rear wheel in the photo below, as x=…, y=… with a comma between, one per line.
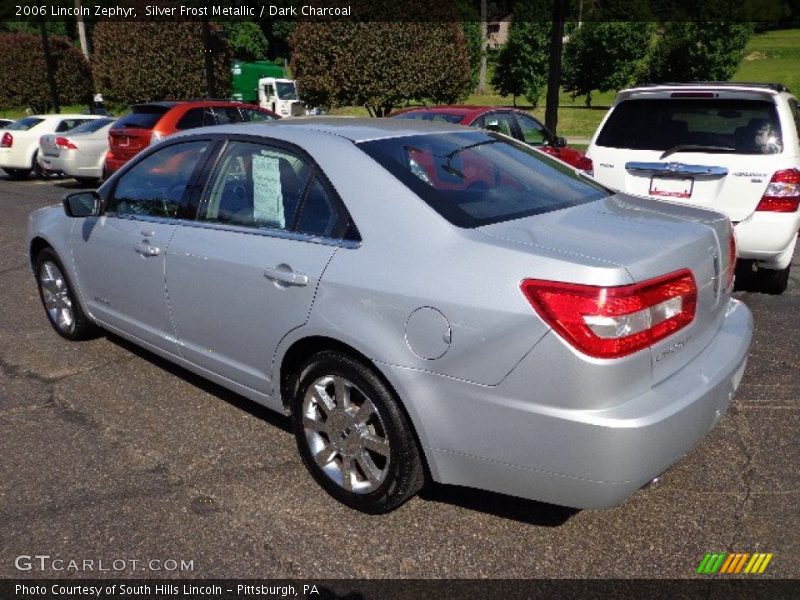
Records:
x=63, y=310
x=773, y=281
x=353, y=436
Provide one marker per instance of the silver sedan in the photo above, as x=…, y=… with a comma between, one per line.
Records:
x=78, y=153
x=425, y=301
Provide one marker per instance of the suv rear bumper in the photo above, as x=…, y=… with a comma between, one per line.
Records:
x=766, y=236
x=475, y=436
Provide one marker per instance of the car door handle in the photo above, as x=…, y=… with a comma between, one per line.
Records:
x=283, y=274
x=146, y=249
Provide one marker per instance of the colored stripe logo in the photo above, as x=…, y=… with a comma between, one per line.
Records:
x=733, y=563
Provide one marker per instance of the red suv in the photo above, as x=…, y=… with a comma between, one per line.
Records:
x=149, y=122
x=510, y=121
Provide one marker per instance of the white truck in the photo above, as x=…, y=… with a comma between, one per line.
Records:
x=280, y=96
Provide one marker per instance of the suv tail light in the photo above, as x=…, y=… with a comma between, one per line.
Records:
x=782, y=193
x=65, y=143
x=611, y=322
x=585, y=164
x=7, y=140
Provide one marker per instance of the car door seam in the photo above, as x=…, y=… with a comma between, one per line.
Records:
x=175, y=336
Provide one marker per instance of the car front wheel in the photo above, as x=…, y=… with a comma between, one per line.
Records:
x=353, y=436
x=63, y=310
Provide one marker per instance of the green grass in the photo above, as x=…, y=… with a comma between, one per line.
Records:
x=772, y=57
x=20, y=112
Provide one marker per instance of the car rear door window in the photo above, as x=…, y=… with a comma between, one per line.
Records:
x=251, y=114
x=499, y=122
x=720, y=124
x=533, y=132
x=256, y=185
x=227, y=114
x=196, y=117
x=68, y=124
x=156, y=186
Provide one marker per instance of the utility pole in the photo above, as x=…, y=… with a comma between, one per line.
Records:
x=81, y=30
x=48, y=62
x=554, y=74
x=484, y=34
x=209, y=59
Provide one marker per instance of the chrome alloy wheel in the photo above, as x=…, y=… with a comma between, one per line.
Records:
x=345, y=434
x=55, y=294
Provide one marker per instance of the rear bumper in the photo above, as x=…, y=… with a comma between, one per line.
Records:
x=12, y=160
x=475, y=436
x=765, y=236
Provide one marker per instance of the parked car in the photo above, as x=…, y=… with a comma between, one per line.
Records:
x=731, y=147
x=78, y=153
x=413, y=295
x=150, y=122
x=509, y=121
x=19, y=142
x=5, y=123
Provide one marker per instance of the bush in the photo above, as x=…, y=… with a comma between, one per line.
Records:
x=23, y=80
x=142, y=61
x=380, y=64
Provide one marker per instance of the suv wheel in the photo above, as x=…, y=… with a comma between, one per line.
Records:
x=773, y=281
x=353, y=436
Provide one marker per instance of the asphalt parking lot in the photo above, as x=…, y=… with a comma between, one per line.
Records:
x=109, y=452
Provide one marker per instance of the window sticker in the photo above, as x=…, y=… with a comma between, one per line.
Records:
x=267, y=193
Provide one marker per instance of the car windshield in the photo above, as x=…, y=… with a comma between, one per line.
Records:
x=476, y=178
x=423, y=115
x=24, y=124
x=91, y=126
x=286, y=90
x=694, y=125
x=142, y=117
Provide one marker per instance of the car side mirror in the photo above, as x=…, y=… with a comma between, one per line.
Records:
x=82, y=204
x=560, y=142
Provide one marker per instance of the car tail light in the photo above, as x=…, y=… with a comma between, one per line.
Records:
x=65, y=143
x=782, y=193
x=585, y=164
x=731, y=261
x=611, y=322
x=7, y=140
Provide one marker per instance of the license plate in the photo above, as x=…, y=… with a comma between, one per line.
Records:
x=671, y=187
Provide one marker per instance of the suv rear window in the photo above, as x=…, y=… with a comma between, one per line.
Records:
x=726, y=125
x=142, y=117
x=24, y=124
x=476, y=178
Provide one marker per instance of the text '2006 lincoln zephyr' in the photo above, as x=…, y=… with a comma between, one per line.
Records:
x=426, y=301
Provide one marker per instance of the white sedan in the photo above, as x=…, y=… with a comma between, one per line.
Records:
x=78, y=153
x=19, y=142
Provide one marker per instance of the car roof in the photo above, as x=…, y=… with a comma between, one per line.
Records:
x=354, y=129
x=64, y=116
x=775, y=87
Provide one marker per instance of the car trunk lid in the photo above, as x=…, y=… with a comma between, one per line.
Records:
x=649, y=239
x=48, y=146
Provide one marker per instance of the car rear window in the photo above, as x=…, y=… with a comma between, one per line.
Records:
x=420, y=115
x=142, y=117
x=24, y=124
x=476, y=178
x=728, y=125
x=91, y=126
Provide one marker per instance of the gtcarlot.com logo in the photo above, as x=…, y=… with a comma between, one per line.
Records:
x=46, y=562
x=725, y=563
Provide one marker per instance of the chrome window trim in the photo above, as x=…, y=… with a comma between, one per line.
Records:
x=674, y=168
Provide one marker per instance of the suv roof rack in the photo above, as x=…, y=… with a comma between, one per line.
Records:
x=776, y=87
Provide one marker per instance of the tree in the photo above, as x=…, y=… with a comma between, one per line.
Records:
x=246, y=40
x=471, y=27
x=379, y=64
x=523, y=62
x=25, y=85
x=158, y=60
x=604, y=56
x=702, y=51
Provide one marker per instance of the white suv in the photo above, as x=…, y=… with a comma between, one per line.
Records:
x=730, y=147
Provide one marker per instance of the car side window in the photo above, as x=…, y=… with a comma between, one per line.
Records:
x=251, y=114
x=499, y=122
x=227, y=114
x=256, y=186
x=155, y=187
x=795, y=106
x=196, y=117
x=533, y=132
x=318, y=214
x=68, y=124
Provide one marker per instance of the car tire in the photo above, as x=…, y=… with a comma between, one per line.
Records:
x=64, y=312
x=773, y=281
x=17, y=174
x=353, y=435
